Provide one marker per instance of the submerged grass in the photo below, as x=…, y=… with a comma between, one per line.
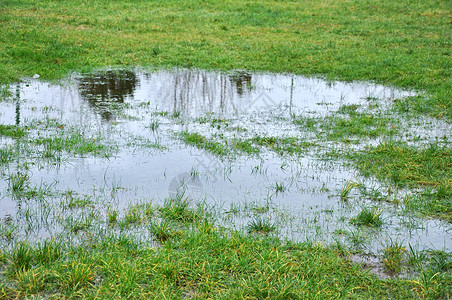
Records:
x=369, y=217
x=71, y=142
x=260, y=225
x=346, y=189
x=290, y=145
x=199, y=141
x=348, y=125
x=429, y=168
x=12, y=131
x=393, y=256
x=6, y=154
x=405, y=165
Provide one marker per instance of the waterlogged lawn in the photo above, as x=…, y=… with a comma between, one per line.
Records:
x=404, y=165
x=126, y=182
x=196, y=260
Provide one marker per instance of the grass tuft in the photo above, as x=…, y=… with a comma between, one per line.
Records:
x=11, y=131
x=260, y=225
x=201, y=142
x=178, y=210
x=368, y=217
x=346, y=189
x=21, y=257
x=394, y=256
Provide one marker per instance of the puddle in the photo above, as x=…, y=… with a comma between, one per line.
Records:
x=138, y=114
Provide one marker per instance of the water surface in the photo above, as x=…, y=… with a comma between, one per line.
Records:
x=140, y=113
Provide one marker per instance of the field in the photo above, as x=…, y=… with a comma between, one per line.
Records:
x=165, y=149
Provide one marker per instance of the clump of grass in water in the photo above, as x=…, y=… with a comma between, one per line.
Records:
x=178, y=210
x=133, y=216
x=345, y=191
x=6, y=155
x=176, y=114
x=154, y=126
x=393, y=256
x=290, y=145
x=261, y=209
x=71, y=142
x=83, y=223
x=7, y=231
x=112, y=216
x=368, y=217
x=359, y=125
x=260, y=225
x=244, y=146
x=357, y=237
x=201, y=142
x=11, y=131
x=18, y=182
x=280, y=187
x=77, y=202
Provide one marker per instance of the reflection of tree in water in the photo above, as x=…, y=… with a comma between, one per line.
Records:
x=242, y=81
x=198, y=90
x=104, y=89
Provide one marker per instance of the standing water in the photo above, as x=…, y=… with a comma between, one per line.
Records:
x=108, y=140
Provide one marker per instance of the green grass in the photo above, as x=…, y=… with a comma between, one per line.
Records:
x=368, y=217
x=244, y=146
x=18, y=183
x=112, y=216
x=11, y=131
x=401, y=43
x=359, y=125
x=405, y=165
x=154, y=125
x=290, y=145
x=429, y=168
x=202, y=264
x=164, y=231
x=394, y=256
x=201, y=142
x=199, y=258
x=260, y=225
x=71, y=142
x=178, y=210
x=6, y=154
x=348, y=125
x=346, y=189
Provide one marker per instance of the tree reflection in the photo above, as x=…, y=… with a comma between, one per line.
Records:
x=181, y=90
x=202, y=91
x=242, y=81
x=104, y=90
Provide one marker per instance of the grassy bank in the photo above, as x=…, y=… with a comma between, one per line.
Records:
x=403, y=43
